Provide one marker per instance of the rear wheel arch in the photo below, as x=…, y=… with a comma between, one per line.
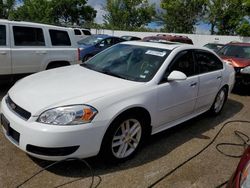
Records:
x=55, y=64
x=223, y=92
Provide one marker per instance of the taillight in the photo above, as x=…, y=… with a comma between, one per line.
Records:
x=245, y=177
x=78, y=53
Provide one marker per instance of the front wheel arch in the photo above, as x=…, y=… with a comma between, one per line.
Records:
x=138, y=113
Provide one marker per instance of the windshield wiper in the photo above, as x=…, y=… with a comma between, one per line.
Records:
x=112, y=74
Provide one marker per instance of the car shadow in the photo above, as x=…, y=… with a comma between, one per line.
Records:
x=156, y=147
x=241, y=90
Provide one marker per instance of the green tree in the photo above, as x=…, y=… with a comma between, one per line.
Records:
x=55, y=11
x=181, y=16
x=34, y=10
x=128, y=14
x=6, y=7
x=227, y=16
x=73, y=11
x=244, y=29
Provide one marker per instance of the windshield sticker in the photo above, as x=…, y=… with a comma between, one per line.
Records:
x=156, y=53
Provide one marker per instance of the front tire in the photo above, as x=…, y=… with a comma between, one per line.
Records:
x=123, y=138
x=219, y=101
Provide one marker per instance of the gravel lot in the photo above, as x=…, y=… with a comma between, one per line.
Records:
x=161, y=153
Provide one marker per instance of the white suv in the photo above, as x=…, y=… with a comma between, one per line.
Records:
x=81, y=33
x=30, y=47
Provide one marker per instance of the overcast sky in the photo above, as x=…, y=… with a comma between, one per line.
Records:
x=99, y=4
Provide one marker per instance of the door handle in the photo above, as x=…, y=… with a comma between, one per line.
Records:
x=41, y=52
x=193, y=84
x=219, y=77
x=3, y=53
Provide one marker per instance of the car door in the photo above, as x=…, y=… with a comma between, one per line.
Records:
x=176, y=99
x=210, y=77
x=5, y=53
x=28, y=48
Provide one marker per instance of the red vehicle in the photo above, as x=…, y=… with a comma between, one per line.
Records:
x=238, y=54
x=241, y=177
x=171, y=38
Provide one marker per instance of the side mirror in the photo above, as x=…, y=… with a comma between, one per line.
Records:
x=177, y=76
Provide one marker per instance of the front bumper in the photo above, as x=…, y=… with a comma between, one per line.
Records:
x=241, y=79
x=51, y=142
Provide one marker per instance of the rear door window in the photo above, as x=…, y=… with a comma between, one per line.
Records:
x=2, y=35
x=28, y=36
x=86, y=32
x=207, y=62
x=77, y=32
x=59, y=38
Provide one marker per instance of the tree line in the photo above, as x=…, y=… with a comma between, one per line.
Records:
x=225, y=17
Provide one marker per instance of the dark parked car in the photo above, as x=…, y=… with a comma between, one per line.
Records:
x=94, y=44
x=241, y=176
x=214, y=46
x=128, y=38
x=238, y=54
x=170, y=38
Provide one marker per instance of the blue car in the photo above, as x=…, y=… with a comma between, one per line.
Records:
x=94, y=44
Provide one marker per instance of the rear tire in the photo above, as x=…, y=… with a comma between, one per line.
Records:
x=219, y=101
x=123, y=138
x=87, y=57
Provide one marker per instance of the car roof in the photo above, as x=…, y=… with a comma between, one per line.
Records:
x=104, y=36
x=155, y=45
x=239, y=44
x=32, y=24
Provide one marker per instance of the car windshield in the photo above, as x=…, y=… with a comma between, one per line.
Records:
x=130, y=62
x=91, y=40
x=235, y=51
x=213, y=46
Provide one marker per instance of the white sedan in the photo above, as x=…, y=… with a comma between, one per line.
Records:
x=109, y=104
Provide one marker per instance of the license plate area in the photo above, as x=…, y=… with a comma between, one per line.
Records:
x=10, y=132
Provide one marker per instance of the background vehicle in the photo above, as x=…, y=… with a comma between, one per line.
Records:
x=81, y=33
x=171, y=38
x=95, y=44
x=241, y=176
x=128, y=38
x=27, y=48
x=114, y=100
x=214, y=46
x=238, y=54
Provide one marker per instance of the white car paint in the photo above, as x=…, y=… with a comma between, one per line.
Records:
x=23, y=59
x=168, y=104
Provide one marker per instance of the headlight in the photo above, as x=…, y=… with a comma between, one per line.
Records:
x=245, y=70
x=245, y=177
x=68, y=115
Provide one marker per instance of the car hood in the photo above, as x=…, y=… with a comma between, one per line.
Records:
x=55, y=87
x=237, y=62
